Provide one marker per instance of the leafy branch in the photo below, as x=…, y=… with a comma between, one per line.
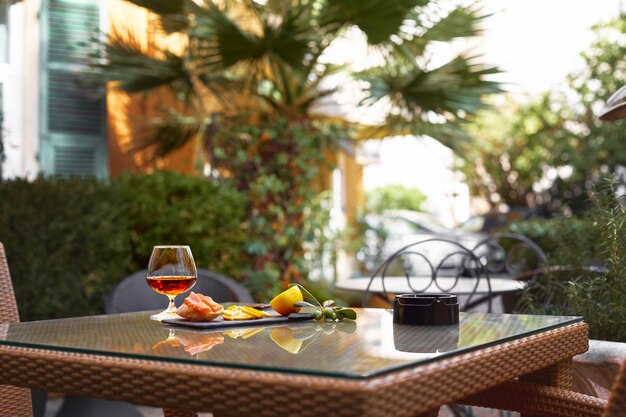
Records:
x=325, y=310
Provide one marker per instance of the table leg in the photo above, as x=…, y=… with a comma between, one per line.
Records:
x=558, y=375
x=433, y=413
x=15, y=401
x=167, y=412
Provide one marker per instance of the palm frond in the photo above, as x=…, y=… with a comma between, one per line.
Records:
x=449, y=134
x=293, y=92
x=222, y=42
x=424, y=25
x=244, y=56
x=222, y=86
x=291, y=38
x=460, y=22
x=306, y=101
x=174, y=23
x=162, y=6
x=379, y=20
x=301, y=106
x=165, y=135
x=453, y=90
x=219, y=42
x=122, y=61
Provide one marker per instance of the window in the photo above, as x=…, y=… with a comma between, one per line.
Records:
x=72, y=119
x=9, y=88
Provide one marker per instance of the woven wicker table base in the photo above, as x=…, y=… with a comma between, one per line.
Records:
x=167, y=412
x=231, y=392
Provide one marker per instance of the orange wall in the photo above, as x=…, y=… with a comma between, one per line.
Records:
x=127, y=116
x=352, y=185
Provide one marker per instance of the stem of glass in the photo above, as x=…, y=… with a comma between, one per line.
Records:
x=171, y=308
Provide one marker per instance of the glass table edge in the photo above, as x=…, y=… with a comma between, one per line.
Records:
x=446, y=355
x=304, y=372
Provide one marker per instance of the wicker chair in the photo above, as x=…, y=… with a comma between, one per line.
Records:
x=15, y=402
x=554, y=402
x=133, y=294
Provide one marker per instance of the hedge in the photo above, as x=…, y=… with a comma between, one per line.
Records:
x=69, y=241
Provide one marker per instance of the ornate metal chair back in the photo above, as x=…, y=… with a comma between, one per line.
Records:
x=513, y=256
x=509, y=253
x=422, y=269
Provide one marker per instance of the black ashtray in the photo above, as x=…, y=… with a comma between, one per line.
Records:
x=426, y=310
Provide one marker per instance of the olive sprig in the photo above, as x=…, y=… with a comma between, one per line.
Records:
x=326, y=311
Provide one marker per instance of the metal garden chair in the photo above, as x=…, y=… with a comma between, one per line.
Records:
x=511, y=255
x=453, y=260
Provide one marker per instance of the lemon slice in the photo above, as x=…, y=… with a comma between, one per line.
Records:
x=237, y=312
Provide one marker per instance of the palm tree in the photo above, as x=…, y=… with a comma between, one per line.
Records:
x=239, y=64
x=269, y=57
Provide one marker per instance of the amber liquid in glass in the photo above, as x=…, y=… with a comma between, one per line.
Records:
x=171, y=285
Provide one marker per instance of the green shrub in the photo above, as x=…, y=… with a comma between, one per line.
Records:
x=395, y=197
x=275, y=163
x=66, y=244
x=560, y=237
x=169, y=208
x=69, y=241
x=593, y=250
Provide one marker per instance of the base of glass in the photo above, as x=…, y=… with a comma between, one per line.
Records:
x=166, y=314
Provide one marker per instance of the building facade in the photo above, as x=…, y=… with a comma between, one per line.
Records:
x=56, y=125
x=52, y=125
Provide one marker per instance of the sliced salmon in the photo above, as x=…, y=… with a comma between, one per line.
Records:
x=199, y=307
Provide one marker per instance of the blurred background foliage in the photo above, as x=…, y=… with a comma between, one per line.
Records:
x=552, y=155
x=66, y=244
x=177, y=209
x=589, y=255
x=275, y=164
x=253, y=82
x=370, y=233
x=69, y=241
x=394, y=197
x=255, y=108
x=550, y=152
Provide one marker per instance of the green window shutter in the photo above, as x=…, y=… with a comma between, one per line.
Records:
x=72, y=118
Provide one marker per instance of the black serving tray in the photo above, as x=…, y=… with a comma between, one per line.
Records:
x=220, y=323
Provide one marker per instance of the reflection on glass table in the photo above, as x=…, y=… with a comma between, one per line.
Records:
x=370, y=346
x=190, y=342
x=498, y=284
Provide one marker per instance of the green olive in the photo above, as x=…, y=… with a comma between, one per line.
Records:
x=333, y=316
x=328, y=312
x=317, y=314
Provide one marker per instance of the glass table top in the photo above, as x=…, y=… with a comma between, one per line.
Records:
x=370, y=346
